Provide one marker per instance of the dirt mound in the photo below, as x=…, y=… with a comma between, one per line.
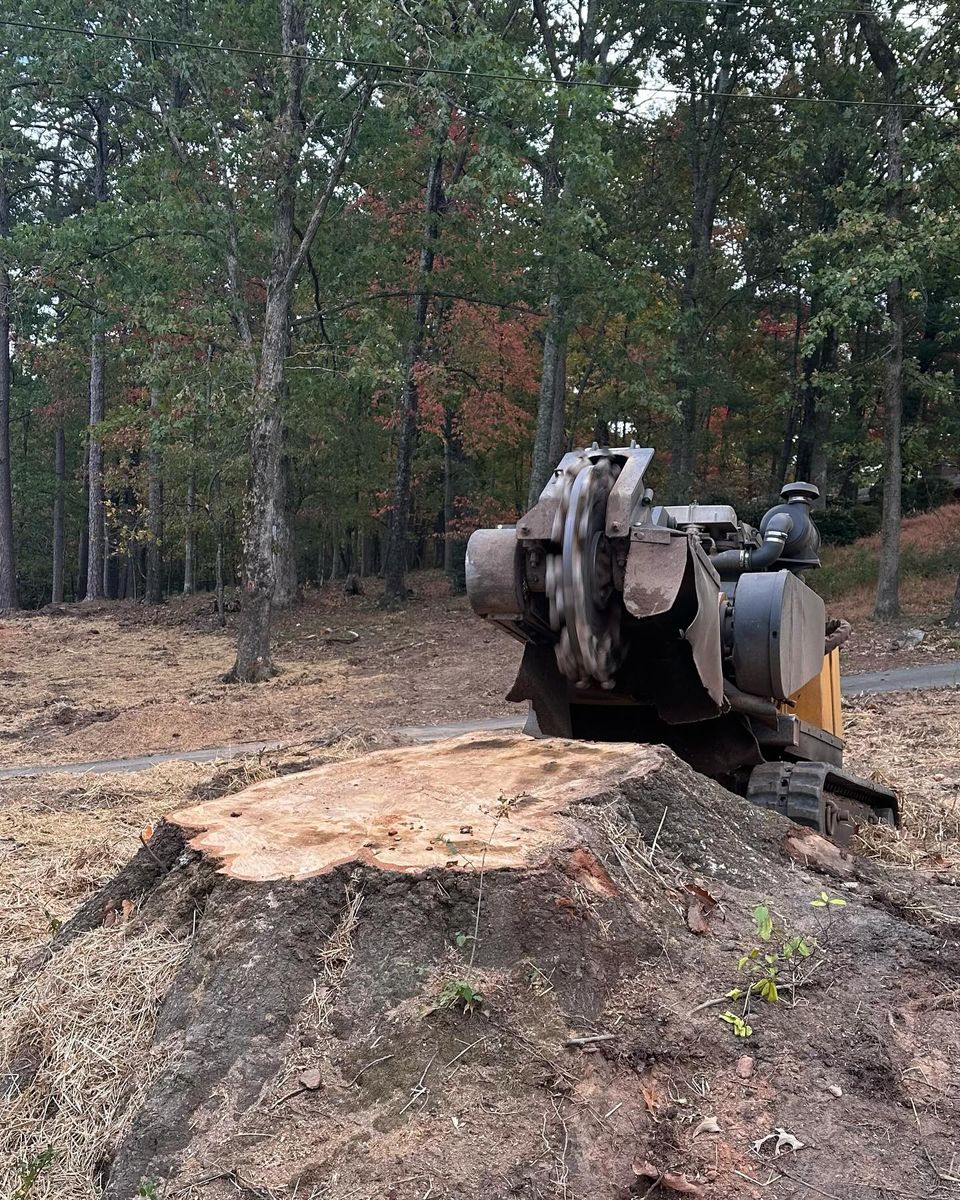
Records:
x=591, y=1018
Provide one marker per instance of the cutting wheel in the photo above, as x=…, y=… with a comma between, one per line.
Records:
x=579, y=580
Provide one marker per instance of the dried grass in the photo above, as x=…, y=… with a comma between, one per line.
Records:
x=60, y=841
x=80, y=1032
x=61, y=837
x=937, y=529
x=911, y=741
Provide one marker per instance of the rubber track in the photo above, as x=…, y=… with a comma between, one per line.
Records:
x=797, y=791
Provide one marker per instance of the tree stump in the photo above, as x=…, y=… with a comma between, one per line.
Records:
x=498, y=967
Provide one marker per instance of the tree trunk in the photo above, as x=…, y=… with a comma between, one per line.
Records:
x=887, y=604
x=96, y=549
x=548, y=441
x=153, y=593
x=8, y=567
x=953, y=617
x=286, y=589
x=83, y=544
x=190, y=535
x=395, y=565
x=454, y=545
x=705, y=129
x=264, y=499
x=815, y=417
x=97, y=557
x=683, y=461
x=449, y=492
x=265, y=493
x=218, y=584
x=59, y=475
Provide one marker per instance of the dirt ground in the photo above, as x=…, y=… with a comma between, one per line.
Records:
x=116, y=680
x=881, y=646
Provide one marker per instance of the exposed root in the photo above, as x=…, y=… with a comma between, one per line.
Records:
x=336, y=957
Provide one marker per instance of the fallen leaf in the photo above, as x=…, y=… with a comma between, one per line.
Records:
x=700, y=907
x=784, y=1141
x=127, y=909
x=669, y=1181
x=696, y=918
x=310, y=1079
x=707, y=902
x=707, y=1125
x=147, y=834
x=649, y=1099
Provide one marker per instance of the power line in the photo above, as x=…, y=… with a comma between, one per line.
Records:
x=365, y=64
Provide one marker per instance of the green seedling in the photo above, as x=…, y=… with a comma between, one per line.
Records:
x=458, y=993
x=30, y=1171
x=736, y=1023
x=774, y=965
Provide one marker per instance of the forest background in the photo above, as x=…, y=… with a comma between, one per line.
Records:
x=289, y=291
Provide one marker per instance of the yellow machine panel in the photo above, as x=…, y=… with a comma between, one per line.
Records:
x=818, y=702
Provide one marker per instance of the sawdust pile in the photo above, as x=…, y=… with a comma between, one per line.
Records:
x=79, y=1037
x=911, y=740
x=61, y=838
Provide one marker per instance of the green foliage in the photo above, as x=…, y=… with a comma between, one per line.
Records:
x=143, y=190
x=763, y=922
x=148, y=1189
x=30, y=1171
x=737, y=1024
x=838, y=526
x=458, y=993
x=774, y=966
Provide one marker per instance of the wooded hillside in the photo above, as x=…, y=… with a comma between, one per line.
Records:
x=289, y=291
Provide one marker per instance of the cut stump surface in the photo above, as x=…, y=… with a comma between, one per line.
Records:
x=497, y=799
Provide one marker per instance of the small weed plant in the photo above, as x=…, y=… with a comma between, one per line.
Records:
x=777, y=964
x=459, y=993
x=30, y=1171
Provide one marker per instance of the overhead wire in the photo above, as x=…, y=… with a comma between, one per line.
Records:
x=466, y=73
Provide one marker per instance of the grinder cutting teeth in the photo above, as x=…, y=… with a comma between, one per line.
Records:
x=579, y=577
x=680, y=625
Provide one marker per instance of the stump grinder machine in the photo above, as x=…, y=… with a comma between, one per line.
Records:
x=682, y=625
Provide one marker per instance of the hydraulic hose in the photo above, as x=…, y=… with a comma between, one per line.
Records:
x=753, y=706
x=756, y=558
